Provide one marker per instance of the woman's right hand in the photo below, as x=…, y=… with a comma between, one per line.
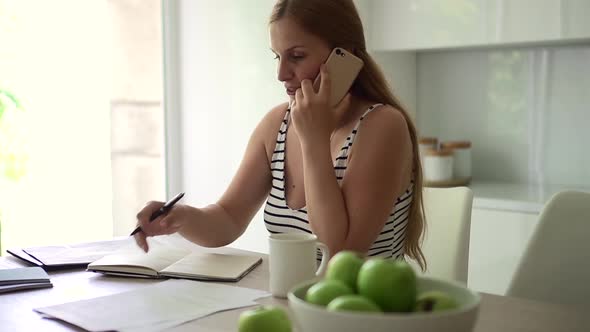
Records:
x=168, y=223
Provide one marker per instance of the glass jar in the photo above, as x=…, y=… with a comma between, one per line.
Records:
x=426, y=143
x=438, y=165
x=461, y=158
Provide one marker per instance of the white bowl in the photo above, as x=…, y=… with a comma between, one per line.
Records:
x=314, y=318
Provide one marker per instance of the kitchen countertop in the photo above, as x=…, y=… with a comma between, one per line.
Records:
x=516, y=197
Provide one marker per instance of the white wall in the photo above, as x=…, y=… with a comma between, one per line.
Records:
x=400, y=71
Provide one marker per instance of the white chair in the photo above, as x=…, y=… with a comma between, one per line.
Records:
x=555, y=266
x=446, y=242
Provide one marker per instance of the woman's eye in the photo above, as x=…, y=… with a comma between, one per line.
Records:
x=297, y=57
x=292, y=57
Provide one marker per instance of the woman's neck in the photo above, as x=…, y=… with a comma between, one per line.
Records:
x=352, y=113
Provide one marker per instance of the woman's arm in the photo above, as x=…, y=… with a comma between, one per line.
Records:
x=350, y=217
x=223, y=222
x=378, y=171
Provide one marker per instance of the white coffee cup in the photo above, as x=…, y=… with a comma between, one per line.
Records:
x=293, y=260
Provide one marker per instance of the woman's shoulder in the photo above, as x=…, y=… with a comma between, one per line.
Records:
x=273, y=118
x=277, y=113
x=268, y=128
x=386, y=117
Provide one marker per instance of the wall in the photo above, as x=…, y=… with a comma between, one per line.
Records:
x=524, y=109
x=399, y=69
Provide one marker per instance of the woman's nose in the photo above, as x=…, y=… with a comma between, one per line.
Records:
x=284, y=73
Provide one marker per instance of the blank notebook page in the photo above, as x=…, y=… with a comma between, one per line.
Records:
x=213, y=265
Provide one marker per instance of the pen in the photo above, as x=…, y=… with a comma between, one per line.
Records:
x=163, y=210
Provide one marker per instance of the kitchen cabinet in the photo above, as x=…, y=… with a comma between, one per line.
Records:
x=503, y=220
x=498, y=240
x=428, y=24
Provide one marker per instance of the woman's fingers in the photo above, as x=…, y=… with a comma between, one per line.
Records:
x=325, y=81
x=141, y=240
x=144, y=215
x=307, y=88
x=298, y=97
x=163, y=225
x=147, y=228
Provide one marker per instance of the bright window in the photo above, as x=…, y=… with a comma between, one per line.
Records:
x=87, y=132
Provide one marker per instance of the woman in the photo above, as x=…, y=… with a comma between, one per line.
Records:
x=349, y=174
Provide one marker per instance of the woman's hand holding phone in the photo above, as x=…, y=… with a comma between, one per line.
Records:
x=314, y=119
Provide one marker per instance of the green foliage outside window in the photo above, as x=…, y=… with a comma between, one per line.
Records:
x=13, y=157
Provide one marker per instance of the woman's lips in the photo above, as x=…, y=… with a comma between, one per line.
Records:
x=291, y=91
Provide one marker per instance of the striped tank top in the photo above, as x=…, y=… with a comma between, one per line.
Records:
x=280, y=218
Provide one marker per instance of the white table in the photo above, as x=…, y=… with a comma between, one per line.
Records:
x=497, y=313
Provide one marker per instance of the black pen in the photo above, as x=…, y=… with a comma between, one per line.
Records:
x=163, y=210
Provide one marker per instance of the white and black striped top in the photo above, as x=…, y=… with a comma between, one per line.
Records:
x=279, y=218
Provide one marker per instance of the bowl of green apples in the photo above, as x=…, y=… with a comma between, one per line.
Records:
x=377, y=294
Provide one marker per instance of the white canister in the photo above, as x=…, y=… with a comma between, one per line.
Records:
x=438, y=165
x=426, y=143
x=461, y=158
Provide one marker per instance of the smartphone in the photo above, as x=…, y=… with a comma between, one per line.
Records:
x=343, y=68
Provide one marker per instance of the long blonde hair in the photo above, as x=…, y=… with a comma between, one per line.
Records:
x=337, y=22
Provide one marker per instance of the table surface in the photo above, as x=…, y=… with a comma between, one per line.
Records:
x=497, y=313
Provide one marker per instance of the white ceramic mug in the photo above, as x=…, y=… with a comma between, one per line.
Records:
x=293, y=260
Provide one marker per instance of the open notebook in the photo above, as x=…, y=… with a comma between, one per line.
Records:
x=166, y=261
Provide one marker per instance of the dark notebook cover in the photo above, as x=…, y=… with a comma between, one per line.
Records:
x=20, y=254
x=72, y=256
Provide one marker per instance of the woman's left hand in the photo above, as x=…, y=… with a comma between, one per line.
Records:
x=313, y=117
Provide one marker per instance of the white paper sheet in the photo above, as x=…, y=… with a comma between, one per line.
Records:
x=178, y=321
x=163, y=305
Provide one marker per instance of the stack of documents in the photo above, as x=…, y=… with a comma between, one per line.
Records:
x=23, y=278
x=153, y=308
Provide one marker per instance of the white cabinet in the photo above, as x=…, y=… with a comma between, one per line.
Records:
x=498, y=240
x=545, y=20
x=422, y=24
x=428, y=24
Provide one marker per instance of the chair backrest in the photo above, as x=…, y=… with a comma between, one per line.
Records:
x=446, y=242
x=555, y=266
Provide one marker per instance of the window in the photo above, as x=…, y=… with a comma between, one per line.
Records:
x=88, y=127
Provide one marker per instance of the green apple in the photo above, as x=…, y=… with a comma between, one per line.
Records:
x=389, y=283
x=264, y=319
x=434, y=301
x=325, y=291
x=344, y=266
x=353, y=302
